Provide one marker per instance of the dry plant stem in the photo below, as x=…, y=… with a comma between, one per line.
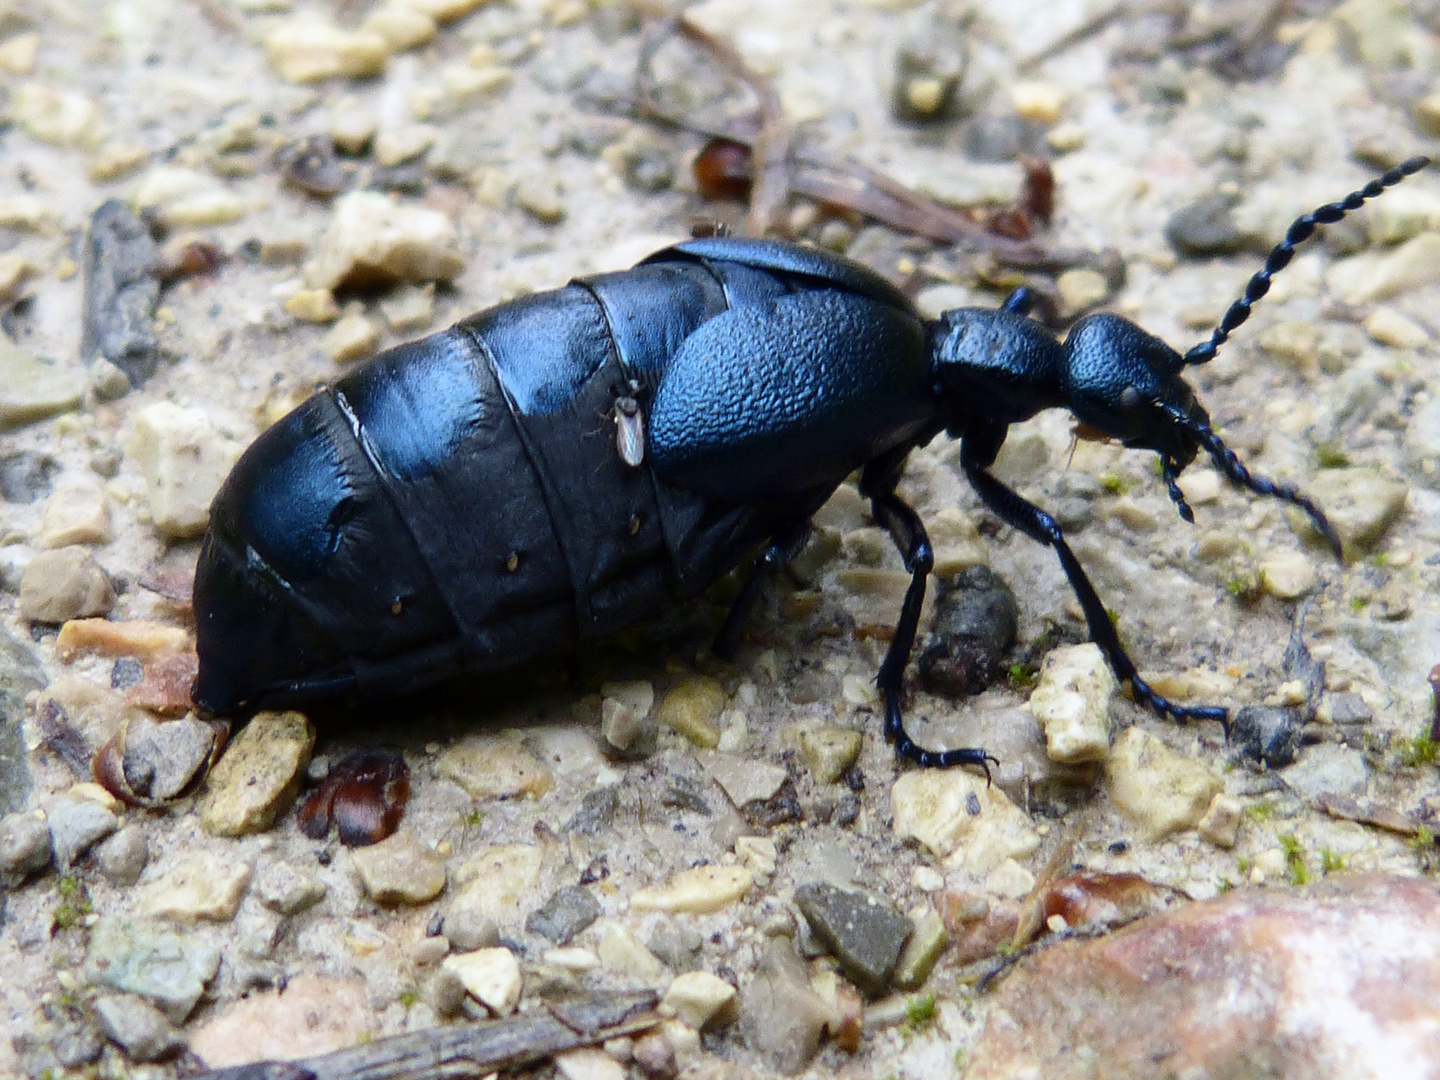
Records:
x=464, y=1050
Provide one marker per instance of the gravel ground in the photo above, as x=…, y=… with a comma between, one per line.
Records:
x=1331, y=386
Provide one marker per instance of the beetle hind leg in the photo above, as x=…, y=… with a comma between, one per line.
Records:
x=781, y=549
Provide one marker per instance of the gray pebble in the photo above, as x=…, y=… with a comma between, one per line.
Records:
x=469, y=930
x=24, y=847
x=596, y=812
x=135, y=1025
x=445, y=993
x=1267, y=734
x=76, y=825
x=677, y=945
x=122, y=857
x=1349, y=708
x=126, y=672
x=161, y=759
x=64, y=584
x=1206, y=227
x=1328, y=767
x=25, y=476
x=865, y=932
x=20, y=673
x=564, y=915
x=169, y=968
x=1000, y=138
x=287, y=889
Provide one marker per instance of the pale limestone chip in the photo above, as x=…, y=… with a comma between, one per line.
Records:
x=397, y=145
x=1160, y=790
x=621, y=951
x=54, y=116
x=1221, y=823
x=1390, y=327
x=29, y=212
x=962, y=819
x=497, y=884
x=699, y=999
x=116, y=160
x=1040, y=102
x=830, y=750
x=259, y=775
x=446, y=10
x=313, y=306
x=494, y=767
x=305, y=50
x=1372, y=276
x=141, y=638
x=202, y=886
x=1072, y=704
x=375, y=240
x=184, y=458
x=691, y=709
x=32, y=390
x=353, y=337
x=400, y=869
x=401, y=26
x=15, y=270
x=1289, y=575
x=65, y=584
x=699, y=891
x=491, y=976
x=76, y=514
x=17, y=54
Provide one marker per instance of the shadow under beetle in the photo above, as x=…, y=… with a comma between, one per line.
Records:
x=559, y=466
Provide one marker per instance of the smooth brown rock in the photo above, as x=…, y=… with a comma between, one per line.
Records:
x=1340, y=980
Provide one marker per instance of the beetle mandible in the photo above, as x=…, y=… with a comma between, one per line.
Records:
x=556, y=467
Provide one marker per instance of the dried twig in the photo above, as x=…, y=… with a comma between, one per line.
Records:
x=466, y=1050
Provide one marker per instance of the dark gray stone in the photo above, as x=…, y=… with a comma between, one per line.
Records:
x=976, y=618
x=677, y=945
x=1267, y=734
x=25, y=476
x=121, y=292
x=1206, y=227
x=863, y=931
x=596, y=812
x=19, y=674
x=564, y=915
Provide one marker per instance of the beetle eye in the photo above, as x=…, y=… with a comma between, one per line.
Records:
x=1130, y=399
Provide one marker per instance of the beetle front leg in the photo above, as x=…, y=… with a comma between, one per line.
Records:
x=903, y=524
x=975, y=458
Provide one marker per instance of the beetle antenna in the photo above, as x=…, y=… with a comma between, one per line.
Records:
x=1235, y=471
x=1280, y=255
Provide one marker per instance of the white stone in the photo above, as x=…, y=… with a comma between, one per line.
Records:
x=963, y=820
x=589, y=1063
x=1072, y=703
x=76, y=514
x=188, y=197
x=1369, y=277
x=1160, y=790
x=491, y=976
x=699, y=998
x=373, y=240
x=1390, y=327
x=54, y=116
x=622, y=951
x=1221, y=823
x=184, y=458
x=1289, y=575
x=307, y=50
x=201, y=886
x=744, y=779
x=498, y=884
x=1010, y=880
x=700, y=891
x=757, y=853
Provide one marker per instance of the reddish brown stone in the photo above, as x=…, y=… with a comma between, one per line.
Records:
x=1087, y=898
x=979, y=926
x=1339, y=980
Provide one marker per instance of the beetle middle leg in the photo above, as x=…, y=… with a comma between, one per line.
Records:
x=978, y=449
x=877, y=483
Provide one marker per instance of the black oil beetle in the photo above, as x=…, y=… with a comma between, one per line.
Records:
x=559, y=466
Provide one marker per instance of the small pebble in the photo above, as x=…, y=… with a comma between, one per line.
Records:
x=200, y=886
x=621, y=951
x=923, y=949
x=1390, y=327
x=1369, y=277
x=77, y=822
x=313, y=306
x=58, y=586
x=700, y=891
x=259, y=774
x=1360, y=503
x=139, y=1028
x=140, y=638
x=24, y=847
x=745, y=780
x=1161, y=791
x=283, y=887
x=445, y=992
x=76, y=514
x=1206, y=227
x=169, y=968
x=589, y=1063
x=491, y=976
x=1038, y=102
x=1221, y=823
x=305, y=50
x=1081, y=289
x=401, y=26
x=692, y=707
x=701, y=999
x=567, y=912
x=541, y=200
x=830, y=750
x=1328, y=767
x=962, y=819
x=400, y=870
x=54, y=116
x=1072, y=703
x=31, y=390
x=1288, y=576
x=353, y=337
x=654, y=1056
x=494, y=767
x=374, y=241
x=395, y=146
x=183, y=197
x=864, y=932
x=1267, y=734
x=17, y=54
x=410, y=308
x=493, y=889
x=976, y=619
x=184, y=458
